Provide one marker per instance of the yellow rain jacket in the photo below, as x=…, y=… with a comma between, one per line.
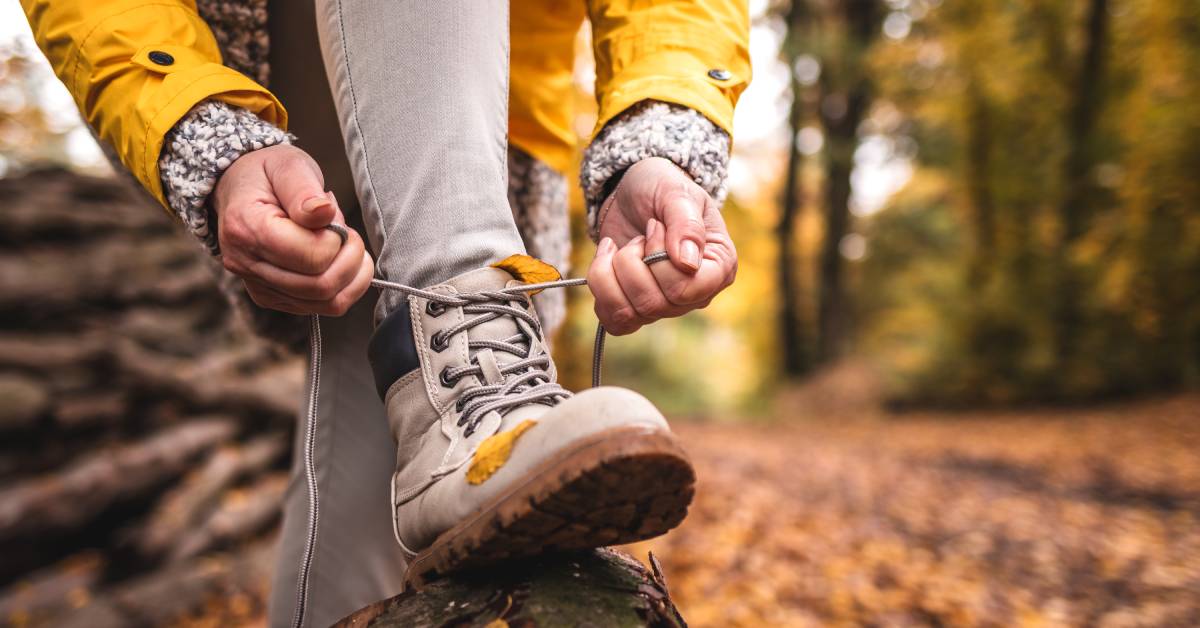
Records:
x=135, y=67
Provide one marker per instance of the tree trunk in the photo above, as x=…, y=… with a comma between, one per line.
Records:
x=1074, y=213
x=599, y=588
x=844, y=103
x=979, y=192
x=792, y=322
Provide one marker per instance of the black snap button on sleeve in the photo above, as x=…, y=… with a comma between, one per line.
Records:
x=719, y=74
x=161, y=58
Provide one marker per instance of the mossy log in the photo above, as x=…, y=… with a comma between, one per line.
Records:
x=600, y=588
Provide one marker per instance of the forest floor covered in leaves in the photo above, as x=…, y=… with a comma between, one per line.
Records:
x=1043, y=517
x=1032, y=517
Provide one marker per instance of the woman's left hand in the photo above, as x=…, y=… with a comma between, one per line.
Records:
x=657, y=207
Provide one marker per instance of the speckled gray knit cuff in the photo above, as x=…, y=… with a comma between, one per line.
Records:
x=655, y=129
x=198, y=149
x=537, y=194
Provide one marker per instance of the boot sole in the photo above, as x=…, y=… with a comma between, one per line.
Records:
x=617, y=486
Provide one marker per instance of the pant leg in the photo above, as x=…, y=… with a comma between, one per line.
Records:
x=422, y=95
x=356, y=561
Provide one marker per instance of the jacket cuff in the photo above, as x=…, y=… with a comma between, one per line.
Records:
x=198, y=149
x=654, y=129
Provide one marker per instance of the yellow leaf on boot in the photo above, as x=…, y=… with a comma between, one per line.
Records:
x=528, y=269
x=494, y=452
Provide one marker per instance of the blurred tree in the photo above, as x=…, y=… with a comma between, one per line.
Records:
x=1069, y=169
x=842, y=37
x=1079, y=198
x=793, y=324
x=27, y=132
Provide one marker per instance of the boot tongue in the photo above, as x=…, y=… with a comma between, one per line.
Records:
x=499, y=329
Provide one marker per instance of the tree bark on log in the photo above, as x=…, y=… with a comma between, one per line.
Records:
x=123, y=373
x=271, y=392
x=166, y=597
x=604, y=587
x=184, y=507
x=241, y=514
x=69, y=498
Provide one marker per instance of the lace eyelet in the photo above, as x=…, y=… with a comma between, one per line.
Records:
x=439, y=342
x=434, y=309
x=445, y=381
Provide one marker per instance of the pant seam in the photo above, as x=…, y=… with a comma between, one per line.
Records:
x=324, y=459
x=370, y=204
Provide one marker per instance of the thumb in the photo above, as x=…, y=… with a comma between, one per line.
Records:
x=297, y=183
x=684, y=219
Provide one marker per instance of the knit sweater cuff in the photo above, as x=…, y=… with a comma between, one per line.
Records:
x=654, y=129
x=201, y=146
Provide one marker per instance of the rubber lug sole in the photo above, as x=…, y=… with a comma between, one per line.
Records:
x=618, y=486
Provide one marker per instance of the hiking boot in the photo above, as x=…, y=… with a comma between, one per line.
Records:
x=495, y=459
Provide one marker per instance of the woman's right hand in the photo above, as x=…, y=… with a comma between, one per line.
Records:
x=272, y=210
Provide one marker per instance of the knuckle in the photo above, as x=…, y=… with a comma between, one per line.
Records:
x=677, y=292
x=355, y=244
x=340, y=305
x=290, y=159
x=261, y=237
x=623, y=317
x=648, y=304
x=325, y=287
x=315, y=260
x=233, y=232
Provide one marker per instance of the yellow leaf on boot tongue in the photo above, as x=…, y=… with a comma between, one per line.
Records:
x=494, y=452
x=528, y=269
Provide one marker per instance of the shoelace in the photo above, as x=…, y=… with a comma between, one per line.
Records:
x=526, y=380
x=530, y=385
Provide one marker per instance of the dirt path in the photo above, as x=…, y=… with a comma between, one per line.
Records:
x=1033, y=518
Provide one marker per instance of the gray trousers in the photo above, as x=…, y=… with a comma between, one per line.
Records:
x=422, y=97
x=419, y=93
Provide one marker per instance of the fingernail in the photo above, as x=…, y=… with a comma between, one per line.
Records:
x=312, y=204
x=651, y=227
x=689, y=253
x=606, y=245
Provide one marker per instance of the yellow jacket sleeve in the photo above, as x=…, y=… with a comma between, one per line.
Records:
x=541, y=82
x=693, y=53
x=135, y=68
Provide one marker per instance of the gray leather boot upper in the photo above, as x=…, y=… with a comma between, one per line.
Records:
x=480, y=375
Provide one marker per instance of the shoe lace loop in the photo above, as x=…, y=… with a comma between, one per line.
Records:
x=526, y=380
